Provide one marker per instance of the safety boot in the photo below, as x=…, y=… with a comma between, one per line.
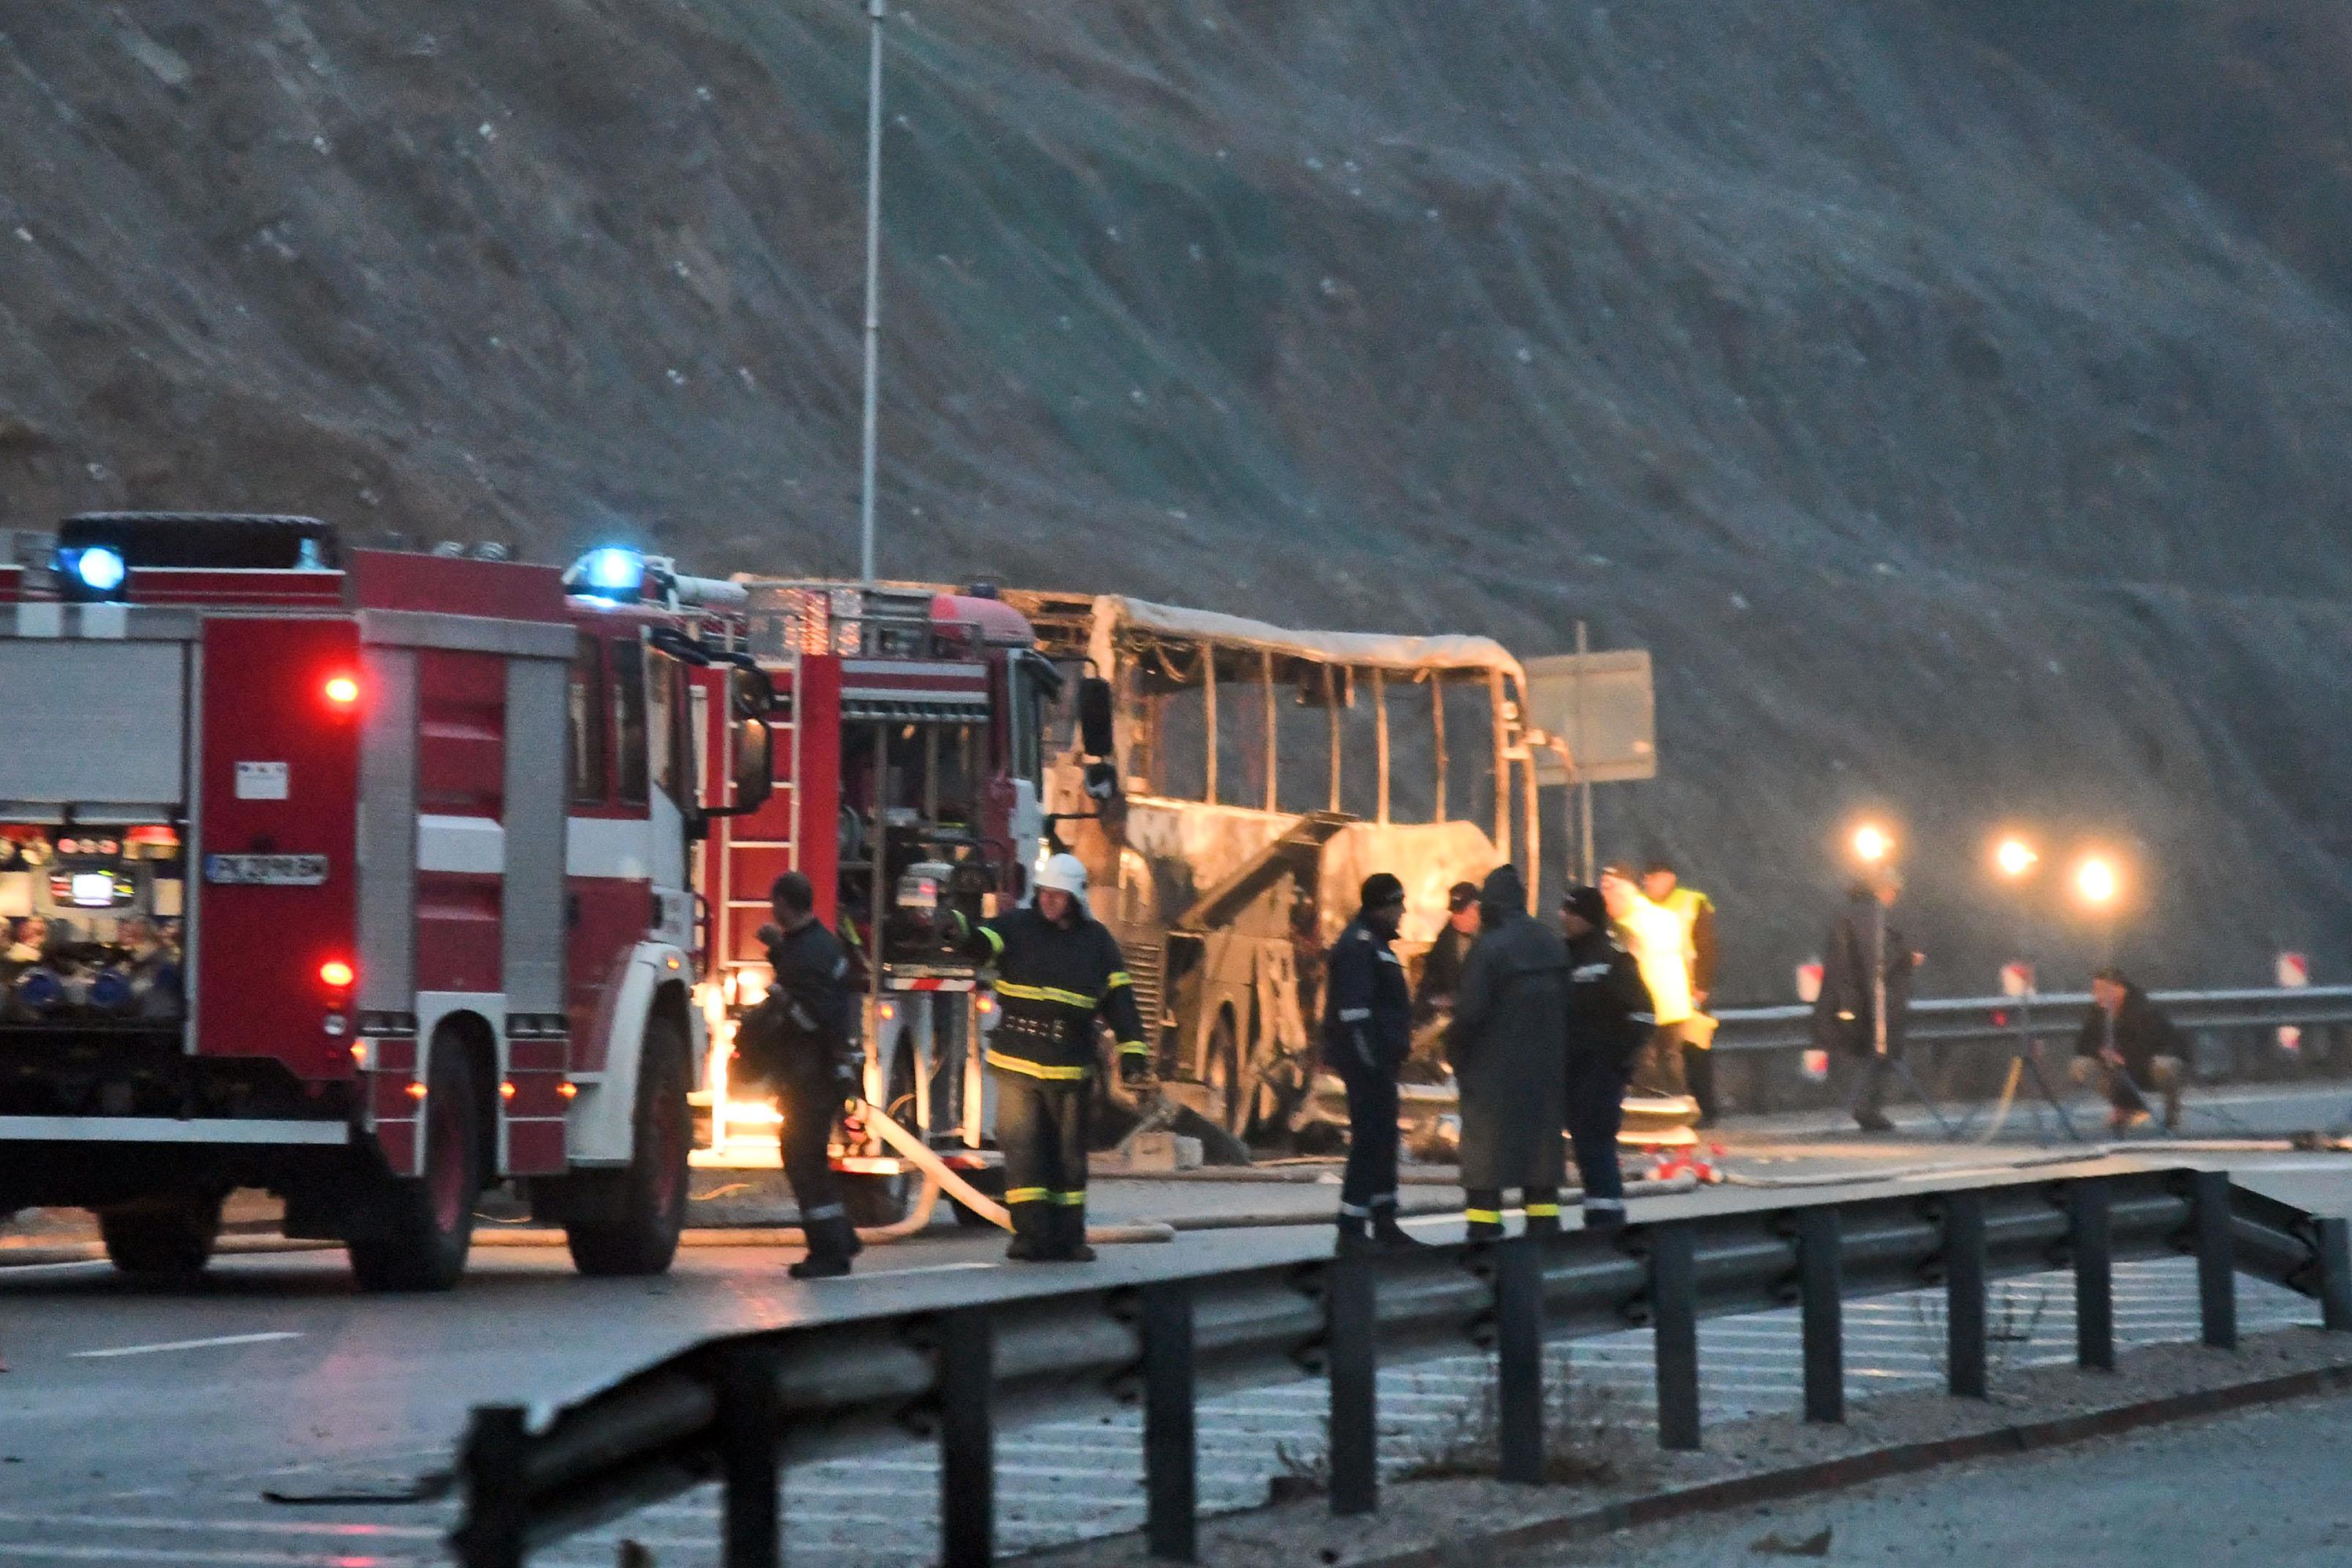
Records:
x=1030, y=1243
x=1387, y=1236
x=832, y=1243
x=1354, y=1237
x=1070, y=1233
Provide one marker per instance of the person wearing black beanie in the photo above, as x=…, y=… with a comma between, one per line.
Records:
x=1367, y=1034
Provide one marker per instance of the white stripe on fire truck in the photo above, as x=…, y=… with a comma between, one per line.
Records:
x=609, y=846
x=470, y=844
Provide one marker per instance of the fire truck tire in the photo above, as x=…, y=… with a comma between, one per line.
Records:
x=162, y=1239
x=876, y=1202
x=636, y=1224
x=417, y=1231
x=990, y=1182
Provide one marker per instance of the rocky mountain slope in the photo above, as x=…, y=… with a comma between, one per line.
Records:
x=1967, y=436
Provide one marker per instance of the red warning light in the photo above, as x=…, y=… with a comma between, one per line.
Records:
x=336, y=974
x=341, y=691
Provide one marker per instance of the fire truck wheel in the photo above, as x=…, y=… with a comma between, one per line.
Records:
x=636, y=1226
x=168, y=1239
x=873, y=1202
x=990, y=1180
x=417, y=1231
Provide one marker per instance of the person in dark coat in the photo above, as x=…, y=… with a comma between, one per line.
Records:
x=1508, y=1046
x=1865, y=1000
x=2127, y=1044
x=1610, y=1020
x=798, y=1038
x=1367, y=1031
x=1440, y=967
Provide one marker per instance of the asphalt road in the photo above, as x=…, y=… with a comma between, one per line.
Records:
x=139, y=1425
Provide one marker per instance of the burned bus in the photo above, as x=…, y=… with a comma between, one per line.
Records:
x=1255, y=776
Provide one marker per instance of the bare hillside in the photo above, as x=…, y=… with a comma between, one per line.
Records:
x=1962, y=448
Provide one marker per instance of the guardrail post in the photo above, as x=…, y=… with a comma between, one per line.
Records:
x=1519, y=1359
x=967, y=1373
x=751, y=1533
x=1818, y=1276
x=1349, y=1308
x=1171, y=1448
x=2335, y=1275
x=1673, y=1320
x=2217, y=1272
x=498, y=1500
x=2091, y=1236
x=1964, y=1293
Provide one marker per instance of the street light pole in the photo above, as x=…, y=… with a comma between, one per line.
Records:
x=873, y=283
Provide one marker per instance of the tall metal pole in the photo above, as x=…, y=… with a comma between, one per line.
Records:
x=1583, y=783
x=873, y=282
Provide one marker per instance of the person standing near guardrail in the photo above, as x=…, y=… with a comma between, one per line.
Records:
x=1865, y=1000
x=2128, y=1044
x=1610, y=1020
x=1508, y=1047
x=1654, y=937
x=1058, y=970
x=1367, y=1034
x=799, y=1040
x=1664, y=886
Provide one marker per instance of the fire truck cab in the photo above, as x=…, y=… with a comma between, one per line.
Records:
x=908, y=762
x=361, y=877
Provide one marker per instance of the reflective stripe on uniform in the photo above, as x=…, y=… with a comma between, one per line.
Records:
x=1543, y=1211
x=1077, y=1200
x=823, y=1211
x=995, y=943
x=1616, y=1204
x=1133, y=1049
x=1354, y=1015
x=1044, y=993
x=1119, y=977
x=1355, y=1211
x=1482, y=1216
x=1025, y=1194
x=1383, y=1199
x=1033, y=1069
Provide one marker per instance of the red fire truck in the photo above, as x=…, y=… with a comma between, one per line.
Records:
x=358, y=875
x=908, y=761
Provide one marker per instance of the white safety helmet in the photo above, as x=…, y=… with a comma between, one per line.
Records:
x=1065, y=872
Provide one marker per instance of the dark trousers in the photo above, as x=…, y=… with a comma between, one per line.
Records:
x=1870, y=1088
x=1658, y=1068
x=1698, y=1071
x=1596, y=1110
x=803, y=1140
x=1370, y=1181
x=1042, y=1126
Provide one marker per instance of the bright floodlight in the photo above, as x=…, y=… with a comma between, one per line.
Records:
x=613, y=570
x=1871, y=844
x=2015, y=857
x=101, y=569
x=2095, y=878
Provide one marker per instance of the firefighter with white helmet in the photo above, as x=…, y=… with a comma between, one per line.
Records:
x=1058, y=970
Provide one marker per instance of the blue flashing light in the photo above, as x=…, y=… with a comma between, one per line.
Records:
x=613, y=572
x=101, y=569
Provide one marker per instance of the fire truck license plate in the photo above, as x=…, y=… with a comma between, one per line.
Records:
x=266, y=870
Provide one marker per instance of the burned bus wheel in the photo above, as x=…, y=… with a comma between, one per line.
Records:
x=168, y=1240
x=1233, y=1097
x=416, y=1232
x=638, y=1220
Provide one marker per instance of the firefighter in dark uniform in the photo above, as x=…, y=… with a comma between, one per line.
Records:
x=1057, y=970
x=799, y=1037
x=1610, y=1019
x=1367, y=1034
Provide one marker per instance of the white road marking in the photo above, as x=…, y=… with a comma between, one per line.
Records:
x=189, y=1345
x=240, y=1526
x=14, y=1552
x=923, y=1268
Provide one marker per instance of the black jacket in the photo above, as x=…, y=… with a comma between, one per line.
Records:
x=1441, y=969
x=1609, y=1008
x=1366, y=1008
x=1842, y=1017
x=1510, y=1044
x=800, y=1032
x=1051, y=983
x=2139, y=1030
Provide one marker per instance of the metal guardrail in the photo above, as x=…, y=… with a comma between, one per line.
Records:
x=1946, y=1020
x=728, y=1409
